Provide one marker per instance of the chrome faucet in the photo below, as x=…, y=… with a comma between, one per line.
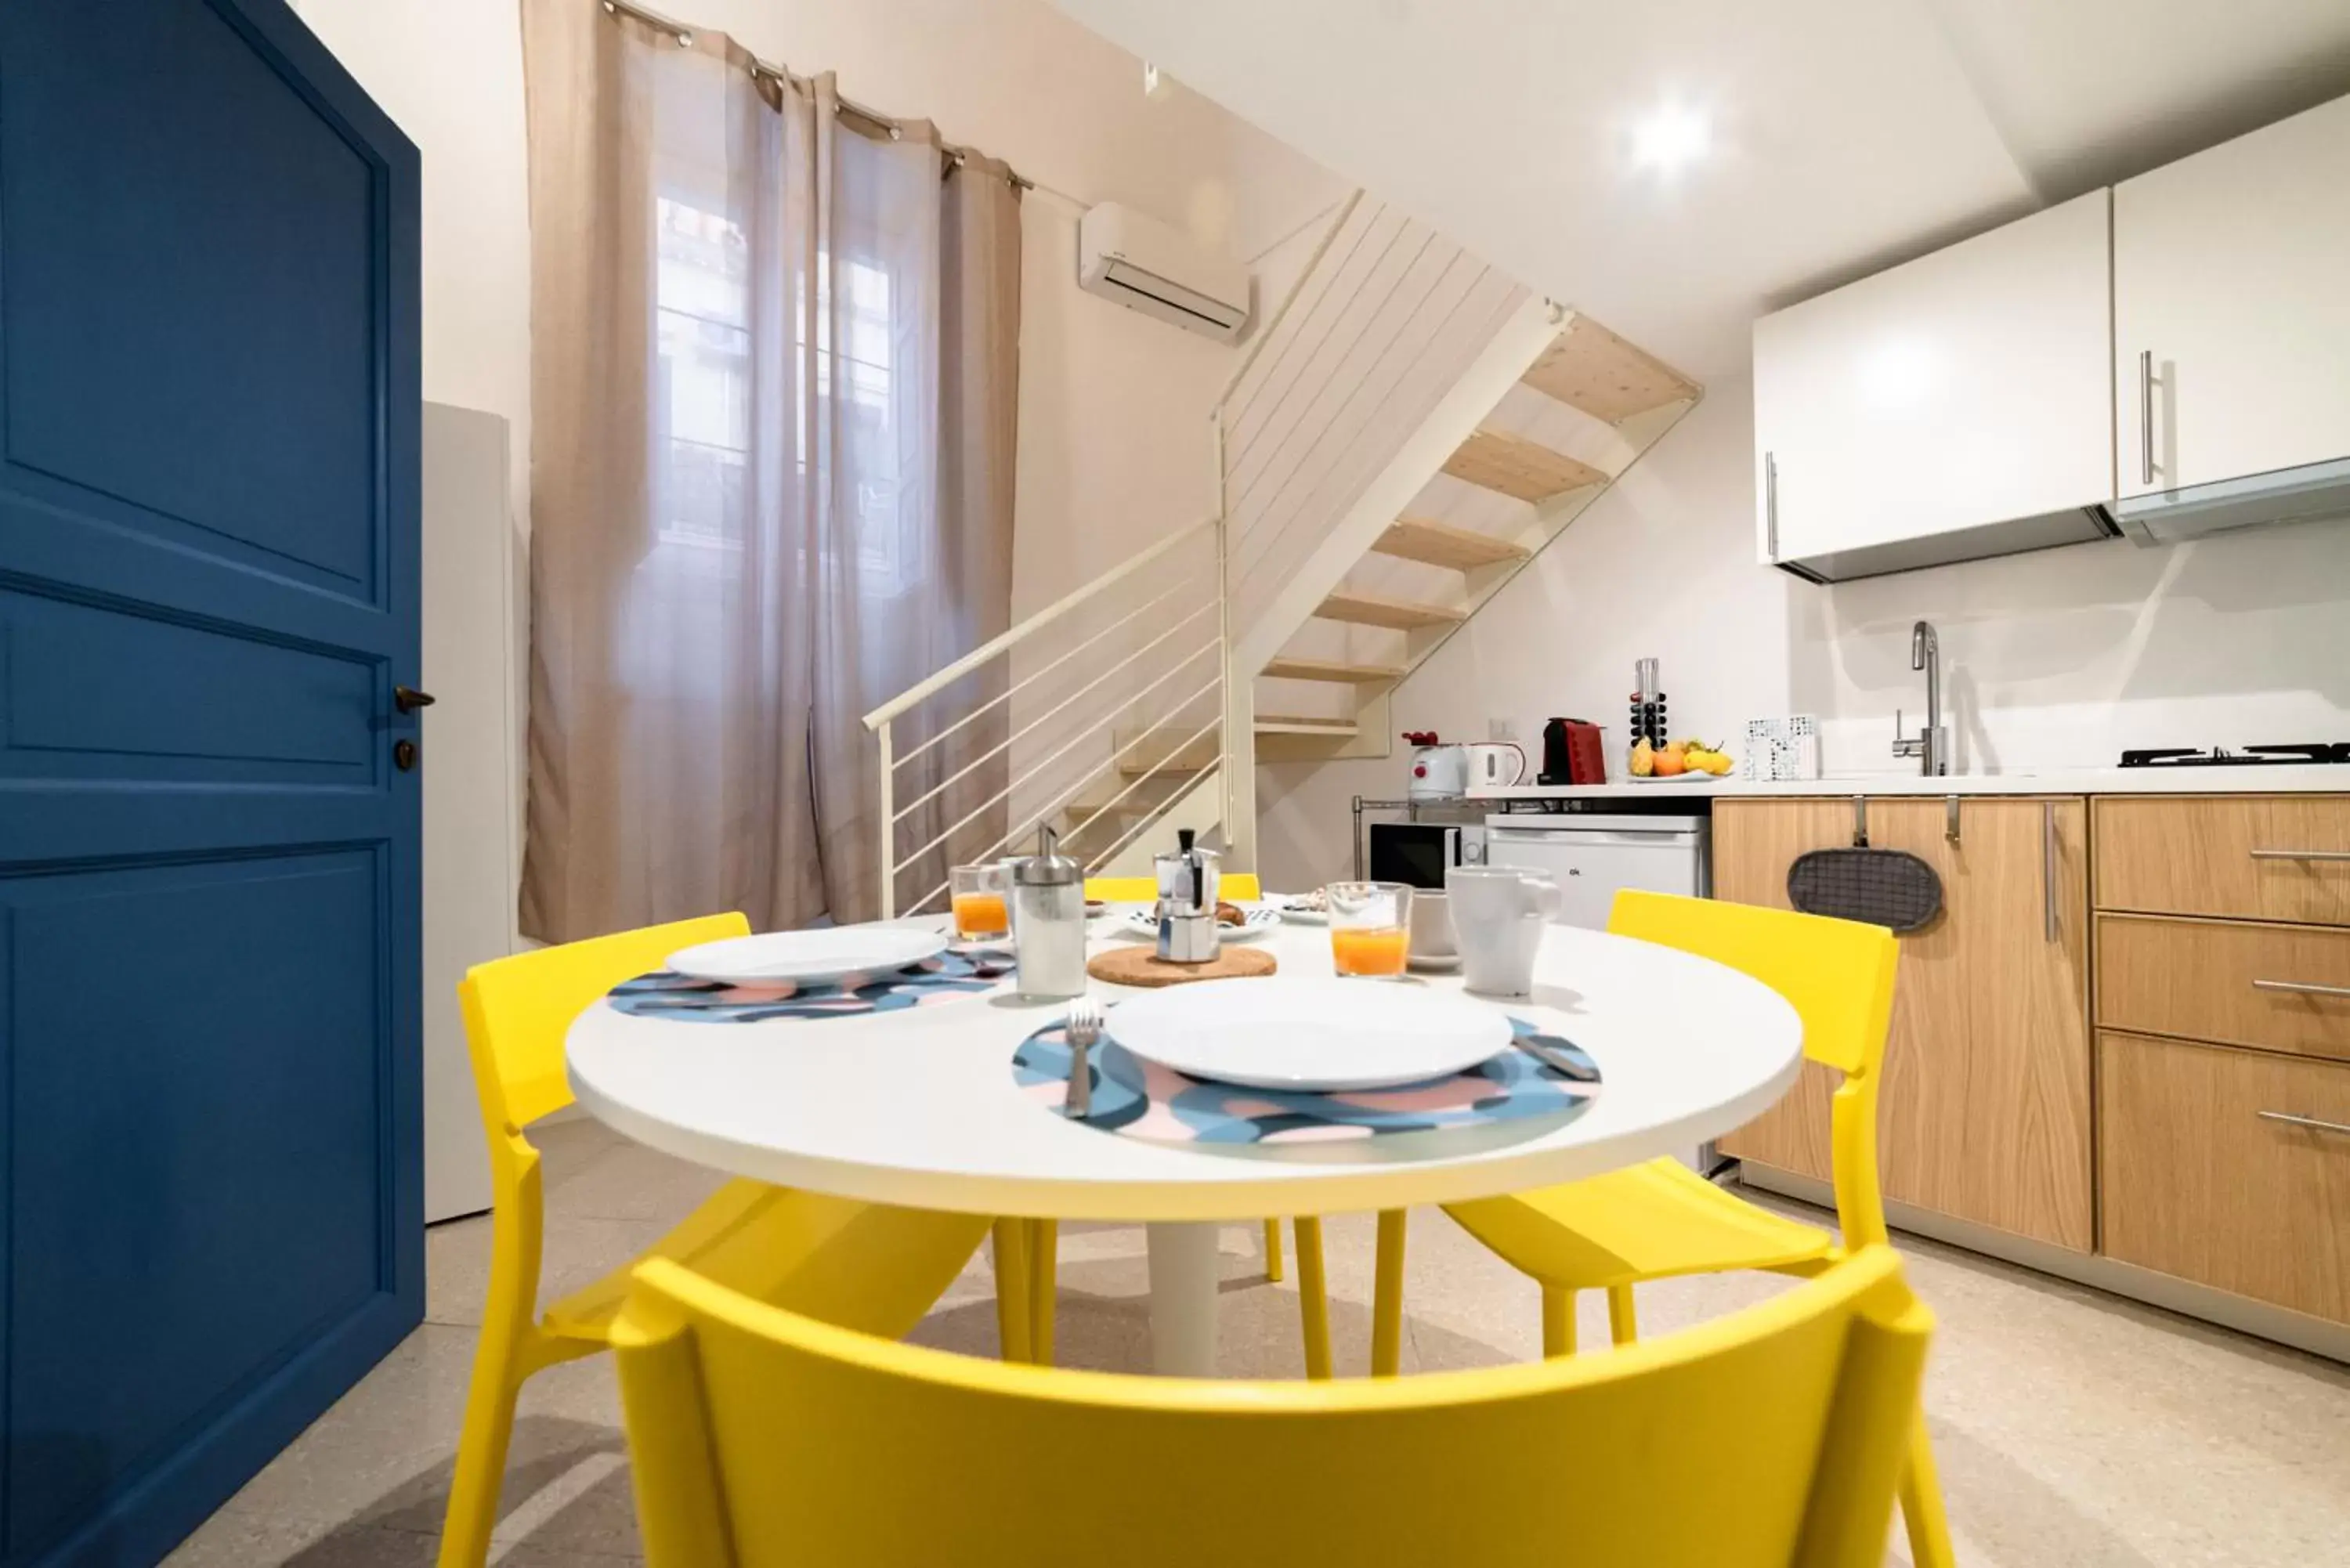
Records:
x=1930, y=746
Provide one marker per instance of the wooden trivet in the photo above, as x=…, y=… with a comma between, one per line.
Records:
x=1141, y=965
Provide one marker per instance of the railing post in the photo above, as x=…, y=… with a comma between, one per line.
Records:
x=888, y=823
x=1224, y=626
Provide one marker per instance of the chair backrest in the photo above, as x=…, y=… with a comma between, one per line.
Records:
x=1240, y=887
x=759, y=1438
x=1838, y=974
x=518, y=1009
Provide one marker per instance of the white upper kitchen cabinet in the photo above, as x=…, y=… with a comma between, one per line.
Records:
x=2232, y=305
x=1956, y=407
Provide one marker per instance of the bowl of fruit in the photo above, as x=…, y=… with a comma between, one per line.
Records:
x=1678, y=760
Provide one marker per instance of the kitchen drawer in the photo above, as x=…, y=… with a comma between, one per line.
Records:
x=2282, y=988
x=2257, y=857
x=2201, y=1179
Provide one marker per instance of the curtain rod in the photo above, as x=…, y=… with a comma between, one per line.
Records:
x=759, y=68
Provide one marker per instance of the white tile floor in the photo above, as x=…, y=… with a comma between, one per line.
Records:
x=2074, y=1428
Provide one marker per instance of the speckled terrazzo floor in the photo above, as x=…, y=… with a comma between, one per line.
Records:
x=2074, y=1428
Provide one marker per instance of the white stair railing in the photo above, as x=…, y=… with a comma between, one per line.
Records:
x=1141, y=647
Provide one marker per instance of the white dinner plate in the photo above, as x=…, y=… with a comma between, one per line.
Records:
x=1255, y=921
x=806, y=958
x=1321, y=1033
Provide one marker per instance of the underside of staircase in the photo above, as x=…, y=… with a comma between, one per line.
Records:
x=1493, y=480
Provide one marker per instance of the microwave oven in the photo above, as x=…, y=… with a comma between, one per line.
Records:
x=1419, y=854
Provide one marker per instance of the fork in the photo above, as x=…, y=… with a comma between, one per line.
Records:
x=1082, y=1030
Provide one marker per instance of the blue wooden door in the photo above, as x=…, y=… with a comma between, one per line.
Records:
x=210, y=1197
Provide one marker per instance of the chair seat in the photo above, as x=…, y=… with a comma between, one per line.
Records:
x=1650, y=1222
x=866, y=1266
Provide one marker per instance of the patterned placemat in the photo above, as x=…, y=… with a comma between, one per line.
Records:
x=664, y=993
x=1142, y=1099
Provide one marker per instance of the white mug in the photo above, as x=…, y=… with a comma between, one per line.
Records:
x=1499, y=914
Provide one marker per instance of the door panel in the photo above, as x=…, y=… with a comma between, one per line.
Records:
x=269, y=318
x=1981, y=369
x=209, y=702
x=1983, y=1114
x=193, y=1166
x=208, y=863
x=2228, y=274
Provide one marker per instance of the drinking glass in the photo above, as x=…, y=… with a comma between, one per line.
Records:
x=982, y=902
x=1370, y=928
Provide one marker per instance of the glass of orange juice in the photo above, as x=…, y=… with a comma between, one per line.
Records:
x=982, y=908
x=1370, y=927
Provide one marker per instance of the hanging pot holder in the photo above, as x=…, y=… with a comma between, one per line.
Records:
x=1881, y=886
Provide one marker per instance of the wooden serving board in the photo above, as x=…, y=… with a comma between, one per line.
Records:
x=1140, y=964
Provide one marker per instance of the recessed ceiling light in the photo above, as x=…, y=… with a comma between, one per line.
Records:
x=1670, y=138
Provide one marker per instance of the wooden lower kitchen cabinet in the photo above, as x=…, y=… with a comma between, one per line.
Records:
x=1983, y=1114
x=2204, y=1177
x=2232, y=983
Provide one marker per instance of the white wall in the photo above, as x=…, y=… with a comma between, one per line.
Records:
x=2058, y=659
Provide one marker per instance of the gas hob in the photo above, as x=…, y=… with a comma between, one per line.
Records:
x=2247, y=757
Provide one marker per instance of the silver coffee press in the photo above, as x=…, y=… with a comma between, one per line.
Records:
x=1188, y=879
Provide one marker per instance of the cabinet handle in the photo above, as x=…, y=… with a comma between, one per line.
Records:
x=2312, y=1122
x=2301, y=854
x=2146, y=413
x=2301, y=987
x=2048, y=869
x=1771, y=503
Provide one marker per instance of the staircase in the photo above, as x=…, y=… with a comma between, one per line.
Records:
x=1404, y=434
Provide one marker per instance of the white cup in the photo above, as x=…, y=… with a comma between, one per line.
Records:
x=1431, y=928
x=1498, y=918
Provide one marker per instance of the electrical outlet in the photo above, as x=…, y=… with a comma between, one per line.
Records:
x=1501, y=729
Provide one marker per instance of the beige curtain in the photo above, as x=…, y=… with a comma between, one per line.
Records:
x=773, y=371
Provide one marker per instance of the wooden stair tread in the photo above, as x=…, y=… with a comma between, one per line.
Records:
x=1398, y=614
x=1495, y=460
x=1303, y=725
x=1286, y=668
x=1587, y=367
x=1441, y=545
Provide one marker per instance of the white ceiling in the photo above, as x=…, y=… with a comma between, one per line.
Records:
x=1848, y=134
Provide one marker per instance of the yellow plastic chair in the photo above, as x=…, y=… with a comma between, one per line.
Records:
x=1661, y=1219
x=1239, y=887
x=760, y=1439
x=871, y=1267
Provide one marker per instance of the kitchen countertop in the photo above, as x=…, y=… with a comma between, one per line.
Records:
x=2313, y=779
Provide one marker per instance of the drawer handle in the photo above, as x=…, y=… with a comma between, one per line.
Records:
x=2301, y=987
x=2301, y=854
x=2312, y=1122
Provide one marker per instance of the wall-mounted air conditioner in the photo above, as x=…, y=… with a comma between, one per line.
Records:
x=1145, y=265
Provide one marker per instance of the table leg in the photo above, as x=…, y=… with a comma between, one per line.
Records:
x=1183, y=1274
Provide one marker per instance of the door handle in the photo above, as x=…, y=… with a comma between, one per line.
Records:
x=2146, y=409
x=2316, y=1124
x=2048, y=870
x=408, y=699
x=1771, y=503
x=2301, y=987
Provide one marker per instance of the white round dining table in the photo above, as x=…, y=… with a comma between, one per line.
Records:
x=920, y=1108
